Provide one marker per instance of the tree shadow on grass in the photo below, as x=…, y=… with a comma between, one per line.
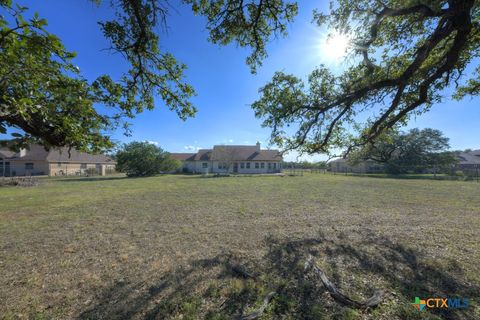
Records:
x=229, y=285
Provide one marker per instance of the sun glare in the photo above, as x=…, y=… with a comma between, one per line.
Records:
x=335, y=46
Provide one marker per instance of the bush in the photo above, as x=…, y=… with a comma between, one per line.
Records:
x=140, y=159
x=170, y=165
x=458, y=173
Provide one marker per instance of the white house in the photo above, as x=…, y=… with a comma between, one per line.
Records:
x=231, y=159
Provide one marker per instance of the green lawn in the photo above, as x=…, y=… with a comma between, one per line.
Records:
x=170, y=247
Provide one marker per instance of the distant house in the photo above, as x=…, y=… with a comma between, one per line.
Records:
x=366, y=166
x=231, y=159
x=468, y=160
x=35, y=160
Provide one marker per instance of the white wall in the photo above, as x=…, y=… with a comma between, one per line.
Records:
x=212, y=167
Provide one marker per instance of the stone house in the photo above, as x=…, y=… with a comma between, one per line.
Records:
x=35, y=161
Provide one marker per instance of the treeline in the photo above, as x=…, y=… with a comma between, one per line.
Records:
x=414, y=151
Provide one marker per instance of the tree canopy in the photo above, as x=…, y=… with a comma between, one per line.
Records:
x=140, y=159
x=45, y=95
x=414, y=151
x=403, y=54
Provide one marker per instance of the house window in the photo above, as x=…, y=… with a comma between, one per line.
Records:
x=274, y=165
x=248, y=165
x=242, y=165
x=28, y=166
x=269, y=165
x=4, y=167
x=219, y=165
x=257, y=165
x=59, y=164
x=204, y=165
x=83, y=166
x=262, y=165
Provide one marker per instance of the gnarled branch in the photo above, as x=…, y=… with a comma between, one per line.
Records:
x=371, y=302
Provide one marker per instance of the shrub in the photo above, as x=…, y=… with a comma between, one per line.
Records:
x=169, y=164
x=458, y=173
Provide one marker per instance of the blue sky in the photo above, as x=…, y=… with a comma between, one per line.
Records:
x=223, y=81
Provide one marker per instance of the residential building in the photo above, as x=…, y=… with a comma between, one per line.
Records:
x=468, y=160
x=36, y=160
x=231, y=159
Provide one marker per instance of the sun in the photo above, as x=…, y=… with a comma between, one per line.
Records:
x=335, y=45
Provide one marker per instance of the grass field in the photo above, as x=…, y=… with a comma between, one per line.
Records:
x=171, y=247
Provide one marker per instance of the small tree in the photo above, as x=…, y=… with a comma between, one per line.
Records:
x=169, y=164
x=139, y=159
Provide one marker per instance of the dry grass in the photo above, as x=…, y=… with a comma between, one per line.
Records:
x=168, y=247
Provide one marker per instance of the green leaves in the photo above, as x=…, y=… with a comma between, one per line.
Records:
x=151, y=72
x=405, y=53
x=39, y=90
x=247, y=23
x=144, y=159
x=43, y=93
x=414, y=151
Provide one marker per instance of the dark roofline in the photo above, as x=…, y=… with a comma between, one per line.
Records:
x=468, y=158
x=111, y=161
x=182, y=156
x=246, y=153
x=37, y=152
